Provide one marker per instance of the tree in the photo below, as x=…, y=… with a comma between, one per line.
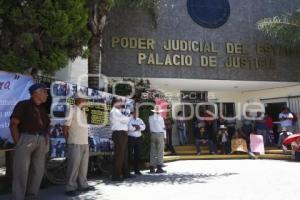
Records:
x=285, y=28
x=41, y=34
x=98, y=12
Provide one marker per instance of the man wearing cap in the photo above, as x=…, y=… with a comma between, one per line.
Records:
x=119, y=127
x=76, y=134
x=29, y=127
x=158, y=136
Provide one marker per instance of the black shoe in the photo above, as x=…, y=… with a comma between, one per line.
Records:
x=129, y=176
x=138, y=173
x=117, y=179
x=152, y=170
x=89, y=188
x=160, y=170
x=72, y=193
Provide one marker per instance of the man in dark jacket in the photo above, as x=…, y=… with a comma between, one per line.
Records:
x=201, y=138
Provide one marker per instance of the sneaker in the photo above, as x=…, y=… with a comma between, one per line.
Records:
x=72, y=193
x=160, y=170
x=152, y=170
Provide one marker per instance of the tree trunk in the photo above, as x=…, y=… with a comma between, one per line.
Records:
x=97, y=20
x=94, y=62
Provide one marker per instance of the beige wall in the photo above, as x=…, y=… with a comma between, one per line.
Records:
x=271, y=93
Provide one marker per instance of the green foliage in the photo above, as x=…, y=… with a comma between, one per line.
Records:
x=285, y=28
x=132, y=3
x=42, y=34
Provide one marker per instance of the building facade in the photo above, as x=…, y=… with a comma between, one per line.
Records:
x=203, y=45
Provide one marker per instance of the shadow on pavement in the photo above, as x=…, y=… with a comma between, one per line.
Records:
x=57, y=192
x=170, y=178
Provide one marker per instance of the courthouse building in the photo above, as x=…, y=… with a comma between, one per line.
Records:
x=211, y=47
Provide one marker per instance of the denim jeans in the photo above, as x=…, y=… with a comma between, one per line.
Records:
x=182, y=136
x=211, y=146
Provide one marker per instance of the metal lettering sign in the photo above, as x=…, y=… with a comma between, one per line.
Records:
x=194, y=96
x=209, y=13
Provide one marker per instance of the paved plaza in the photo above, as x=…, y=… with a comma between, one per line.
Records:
x=222, y=179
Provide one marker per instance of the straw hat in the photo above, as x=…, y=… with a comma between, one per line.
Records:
x=223, y=127
x=79, y=95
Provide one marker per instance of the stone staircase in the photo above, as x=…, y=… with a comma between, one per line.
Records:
x=189, y=153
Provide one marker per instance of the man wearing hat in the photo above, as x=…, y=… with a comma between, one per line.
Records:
x=158, y=136
x=223, y=138
x=76, y=134
x=29, y=127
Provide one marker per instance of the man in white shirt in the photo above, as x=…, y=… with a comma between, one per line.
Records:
x=119, y=126
x=286, y=118
x=136, y=126
x=158, y=136
x=76, y=134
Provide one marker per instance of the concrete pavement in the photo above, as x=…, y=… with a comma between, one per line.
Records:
x=194, y=180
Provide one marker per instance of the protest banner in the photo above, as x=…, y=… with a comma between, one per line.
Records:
x=257, y=144
x=13, y=88
x=97, y=110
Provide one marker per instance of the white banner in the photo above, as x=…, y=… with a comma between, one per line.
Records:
x=13, y=88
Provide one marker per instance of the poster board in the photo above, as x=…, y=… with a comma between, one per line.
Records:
x=257, y=144
x=97, y=111
x=239, y=145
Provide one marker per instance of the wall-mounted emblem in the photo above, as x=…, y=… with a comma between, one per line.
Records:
x=209, y=13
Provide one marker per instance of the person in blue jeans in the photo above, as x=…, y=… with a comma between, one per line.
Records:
x=201, y=139
x=181, y=129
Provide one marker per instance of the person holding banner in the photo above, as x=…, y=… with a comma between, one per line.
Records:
x=29, y=127
x=119, y=126
x=76, y=134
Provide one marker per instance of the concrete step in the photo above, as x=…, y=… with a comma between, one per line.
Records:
x=225, y=157
x=206, y=152
x=193, y=148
